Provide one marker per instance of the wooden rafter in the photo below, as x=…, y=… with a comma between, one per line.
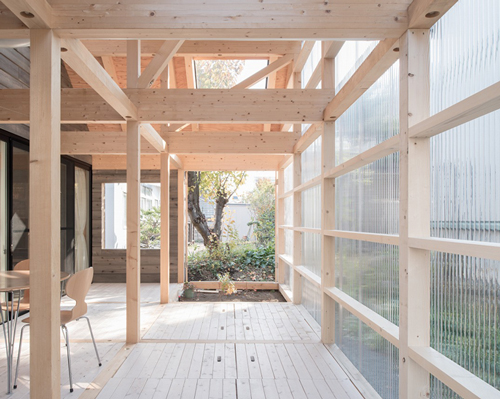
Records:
x=35, y=14
x=158, y=63
x=422, y=14
x=265, y=72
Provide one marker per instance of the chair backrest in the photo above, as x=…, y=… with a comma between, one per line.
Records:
x=77, y=288
x=24, y=265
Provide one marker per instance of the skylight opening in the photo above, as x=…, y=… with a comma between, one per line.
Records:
x=224, y=74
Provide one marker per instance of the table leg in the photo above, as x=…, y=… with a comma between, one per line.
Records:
x=9, y=324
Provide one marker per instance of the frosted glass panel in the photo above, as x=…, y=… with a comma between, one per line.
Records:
x=311, y=252
x=372, y=355
x=465, y=318
x=369, y=272
x=373, y=118
x=367, y=199
x=465, y=181
x=465, y=56
x=350, y=57
x=288, y=276
x=288, y=242
x=288, y=177
x=288, y=205
x=311, y=299
x=311, y=207
x=311, y=161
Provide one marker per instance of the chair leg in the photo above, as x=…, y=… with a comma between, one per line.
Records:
x=93, y=340
x=66, y=336
x=19, y=354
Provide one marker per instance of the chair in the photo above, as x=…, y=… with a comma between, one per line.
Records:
x=24, y=303
x=77, y=288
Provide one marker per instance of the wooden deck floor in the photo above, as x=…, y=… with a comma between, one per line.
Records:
x=195, y=350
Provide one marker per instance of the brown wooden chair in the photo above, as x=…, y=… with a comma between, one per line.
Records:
x=77, y=288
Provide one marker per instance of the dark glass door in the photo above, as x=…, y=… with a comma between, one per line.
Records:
x=19, y=214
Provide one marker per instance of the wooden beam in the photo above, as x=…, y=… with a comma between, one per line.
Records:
x=35, y=14
x=165, y=227
x=422, y=14
x=44, y=207
x=119, y=162
x=479, y=249
x=475, y=106
x=198, y=48
x=181, y=223
x=153, y=137
x=159, y=63
x=180, y=106
x=230, y=142
x=229, y=162
x=176, y=161
x=84, y=64
x=265, y=72
x=309, y=137
x=93, y=143
x=109, y=67
x=14, y=33
x=376, y=64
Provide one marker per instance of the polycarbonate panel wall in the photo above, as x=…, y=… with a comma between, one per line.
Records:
x=465, y=313
x=288, y=242
x=311, y=161
x=288, y=205
x=465, y=56
x=288, y=178
x=369, y=273
x=350, y=57
x=367, y=199
x=311, y=63
x=465, y=192
x=311, y=299
x=311, y=207
x=372, y=119
x=288, y=276
x=311, y=252
x=373, y=356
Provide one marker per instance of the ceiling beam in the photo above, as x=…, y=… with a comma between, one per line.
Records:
x=265, y=72
x=383, y=56
x=35, y=14
x=153, y=137
x=227, y=162
x=199, y=48
x=230, y=142
x=119, y=162
x=79, y=58
x=422, y=14
x=180, y=106
x=109, y=67
x=158, y=63
x=99, y=143
x=176, y=161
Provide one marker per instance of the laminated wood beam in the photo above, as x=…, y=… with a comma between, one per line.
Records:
x=159, y=62
x=153, y=137
x=95, y=143
x=35, y=14
x=265, y=72
x=422, y=14
x=376, y=64
x=214, y=162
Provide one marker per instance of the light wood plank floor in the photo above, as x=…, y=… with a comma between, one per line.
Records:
x=194, y=350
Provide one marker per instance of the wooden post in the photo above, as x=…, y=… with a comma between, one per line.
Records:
x=297, y=209
x=165, y=227
x=414, y=219
x=45, y=211
x=327, y=211
x=181, y=228
x=280, y=233
x=133, y=205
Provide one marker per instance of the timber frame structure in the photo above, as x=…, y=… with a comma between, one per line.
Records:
x=131, y=64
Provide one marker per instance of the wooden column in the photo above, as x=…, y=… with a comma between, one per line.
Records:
x=297, y=210
x=133, y=205
x=181, y=228
x=165, y=227
x=280, y=233
x=414, y=213
x=327, y=210
x=45, y=212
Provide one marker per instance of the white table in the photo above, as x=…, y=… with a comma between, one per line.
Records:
x=12, y=285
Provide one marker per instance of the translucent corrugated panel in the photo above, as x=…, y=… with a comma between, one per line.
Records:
x=311, y=161
x=288, y=205
x=311, y=252
x=288, y=276
x=369, y=272
x=288, y=178
x=465, y=314
x=367, y=199
x=311, y=299
x=372, y=119
x=372, y=355
x=311, y=63
x=465, y=56
x=350, y=57
x=311, y=207
x=288, y=242
x=465, y=181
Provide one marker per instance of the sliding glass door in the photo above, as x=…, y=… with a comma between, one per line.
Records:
x=19, y=214
x=4, y=223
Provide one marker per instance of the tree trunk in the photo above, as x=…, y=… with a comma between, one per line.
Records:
x=195, y=214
